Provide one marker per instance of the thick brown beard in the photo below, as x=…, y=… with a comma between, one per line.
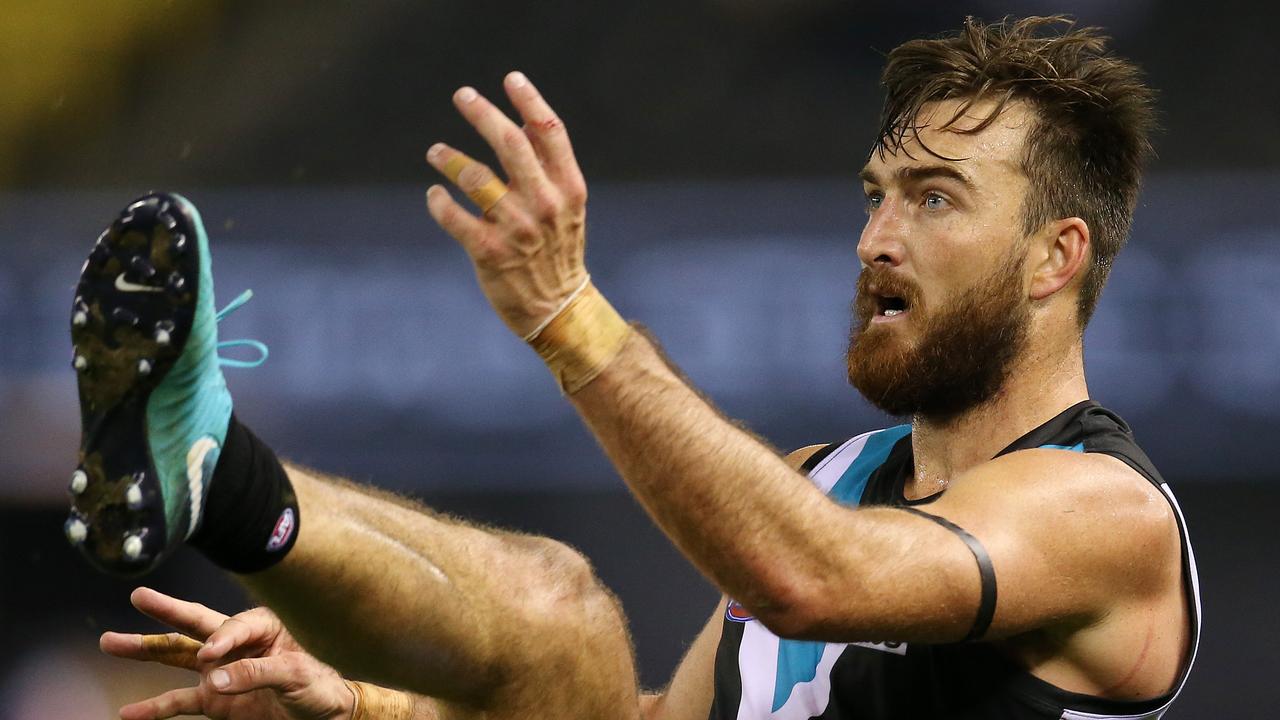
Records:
x=964, y=355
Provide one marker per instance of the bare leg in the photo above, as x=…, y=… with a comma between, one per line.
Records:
x=494, y=621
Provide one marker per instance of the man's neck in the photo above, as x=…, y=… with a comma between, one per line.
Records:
x=1038, y=388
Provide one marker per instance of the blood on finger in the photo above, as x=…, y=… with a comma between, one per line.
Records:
x=551, y=123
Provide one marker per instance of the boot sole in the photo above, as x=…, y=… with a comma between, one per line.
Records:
x=130, y=320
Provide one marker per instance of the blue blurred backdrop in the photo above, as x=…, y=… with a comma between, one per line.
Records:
x=721, y=141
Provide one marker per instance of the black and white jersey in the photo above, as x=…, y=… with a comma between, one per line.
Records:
x=760, y=676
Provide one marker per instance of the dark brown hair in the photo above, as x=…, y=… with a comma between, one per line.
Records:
x=1084, y=156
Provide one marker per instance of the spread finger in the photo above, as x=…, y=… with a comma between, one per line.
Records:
x=475, y=179
x=507, y=139
x=188, y=618
x=546, y=131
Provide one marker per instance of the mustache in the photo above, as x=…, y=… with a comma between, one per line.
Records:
x=873, y=282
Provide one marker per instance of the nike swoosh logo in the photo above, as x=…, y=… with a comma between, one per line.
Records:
x=125, y=286
x=195, y=476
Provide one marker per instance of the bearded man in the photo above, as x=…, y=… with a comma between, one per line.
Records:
x=1008, y=553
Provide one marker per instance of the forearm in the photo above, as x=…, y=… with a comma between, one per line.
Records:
x=728, y=501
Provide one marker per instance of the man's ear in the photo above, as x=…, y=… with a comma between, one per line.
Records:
x=1060, y=254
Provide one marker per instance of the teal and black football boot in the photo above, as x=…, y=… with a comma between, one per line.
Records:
x=154, y=406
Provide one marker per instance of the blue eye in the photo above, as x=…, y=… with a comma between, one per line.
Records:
x=874, y=200
x=934, y=201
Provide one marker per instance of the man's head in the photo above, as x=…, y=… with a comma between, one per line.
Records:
x=1001, y=188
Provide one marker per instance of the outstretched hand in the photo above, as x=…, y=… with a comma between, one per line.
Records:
x=249, y=665
x=528, y=244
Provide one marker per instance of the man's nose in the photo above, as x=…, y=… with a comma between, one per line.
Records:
x=882, y=237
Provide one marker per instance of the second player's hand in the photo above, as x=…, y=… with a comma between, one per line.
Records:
x=528, y=248
x=249, y=666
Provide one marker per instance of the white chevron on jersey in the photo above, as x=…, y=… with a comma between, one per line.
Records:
x=826, y=473
x=758, y=659
x=759, y=654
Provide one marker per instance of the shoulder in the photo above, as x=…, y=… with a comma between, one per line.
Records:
x=1091, y=512
x=1084, y=481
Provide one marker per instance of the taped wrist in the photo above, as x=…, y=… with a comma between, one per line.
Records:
x=581, y=340
x=378, y=703
x=251, y=517
x=986, y=573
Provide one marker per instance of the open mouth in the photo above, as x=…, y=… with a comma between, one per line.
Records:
x=890, y=306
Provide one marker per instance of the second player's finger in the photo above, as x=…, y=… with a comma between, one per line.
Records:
x=281, y=672
x=172, y=649
x=183, y=701
x=250, y=628
x=506, y=138
x=188, y=618
x=121, y=645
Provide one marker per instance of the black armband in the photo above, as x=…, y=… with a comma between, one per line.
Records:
x=987, y=573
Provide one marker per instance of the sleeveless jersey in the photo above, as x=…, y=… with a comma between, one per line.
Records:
x=759, y=676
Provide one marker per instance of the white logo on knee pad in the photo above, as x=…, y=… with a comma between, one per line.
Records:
x=282, y=532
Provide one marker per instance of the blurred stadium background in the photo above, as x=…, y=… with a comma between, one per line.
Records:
x=721, y=140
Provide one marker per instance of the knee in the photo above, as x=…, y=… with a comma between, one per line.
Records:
x=564, y=617
x=570, y=626
x=561, y=586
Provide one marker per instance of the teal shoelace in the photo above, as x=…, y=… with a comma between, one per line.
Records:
x=261, y=348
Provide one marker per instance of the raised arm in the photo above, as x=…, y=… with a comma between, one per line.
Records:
x=756, y=527
x=1085, y=525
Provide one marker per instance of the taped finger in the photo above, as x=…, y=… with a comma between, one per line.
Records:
x=487, y=196
x=174, y=650
x=475, y=179
x=171, y=649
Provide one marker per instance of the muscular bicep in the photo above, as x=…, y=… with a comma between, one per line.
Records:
x=692, y=687
x=1071, y=536
x=1066, y=535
